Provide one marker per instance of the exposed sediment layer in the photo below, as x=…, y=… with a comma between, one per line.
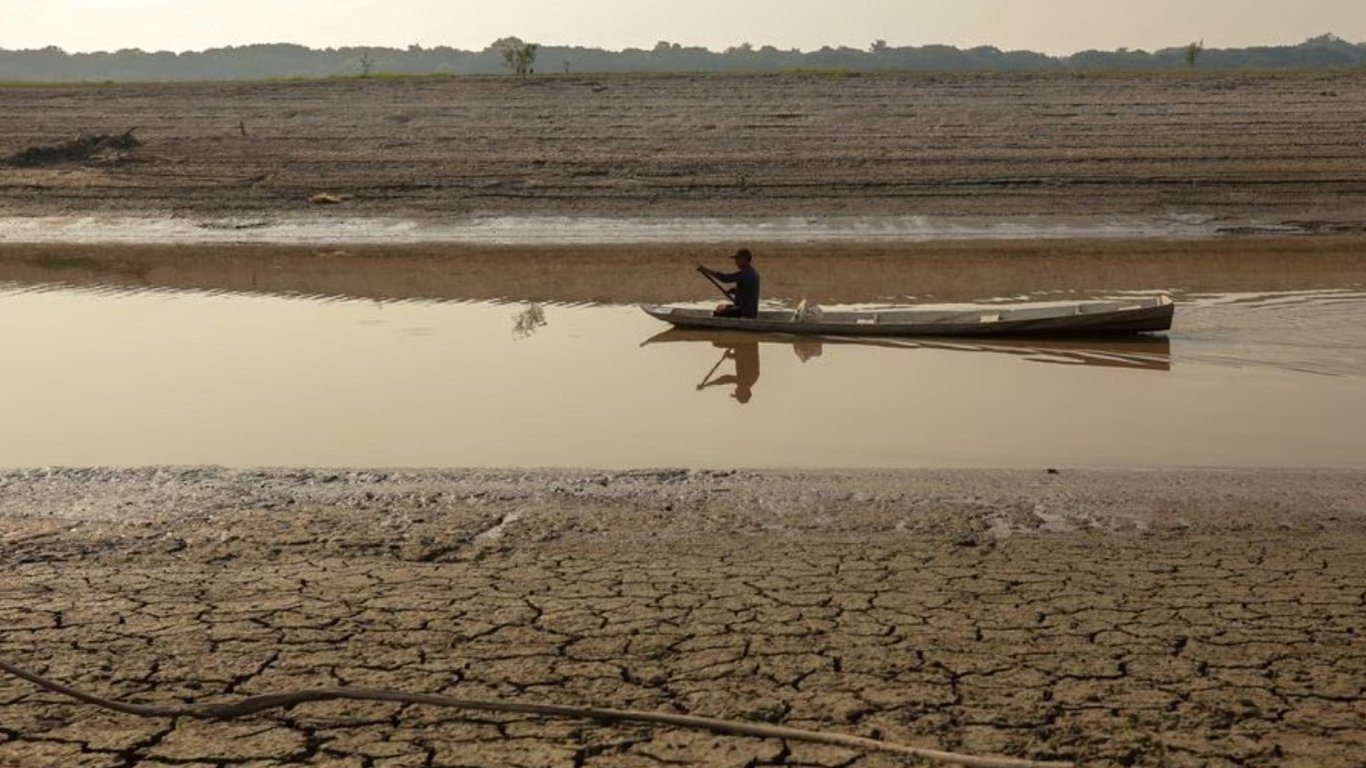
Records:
x=1233, y=148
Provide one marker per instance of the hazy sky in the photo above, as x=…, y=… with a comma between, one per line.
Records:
x=1054, y=26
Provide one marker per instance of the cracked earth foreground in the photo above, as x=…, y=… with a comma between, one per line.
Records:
x=1115, y=618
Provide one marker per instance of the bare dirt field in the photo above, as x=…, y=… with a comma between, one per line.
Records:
x=1231, y=147
x=1163, y=618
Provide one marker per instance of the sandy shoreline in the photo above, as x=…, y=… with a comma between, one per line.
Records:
x=824, y=272
x=1171, y=617
x=595, y=230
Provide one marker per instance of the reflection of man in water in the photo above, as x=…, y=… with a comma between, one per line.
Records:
x=746, y=357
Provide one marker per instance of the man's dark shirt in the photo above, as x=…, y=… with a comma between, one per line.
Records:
x=746, y=289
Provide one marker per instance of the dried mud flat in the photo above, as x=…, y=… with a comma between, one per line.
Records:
x=1116, y=618
x=1226, y=147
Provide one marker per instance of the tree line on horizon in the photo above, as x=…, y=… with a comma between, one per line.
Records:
x=285, y=60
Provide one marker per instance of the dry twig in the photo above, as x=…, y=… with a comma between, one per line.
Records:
x=254, y=704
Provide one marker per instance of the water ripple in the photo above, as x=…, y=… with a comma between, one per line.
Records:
x=1322, y=331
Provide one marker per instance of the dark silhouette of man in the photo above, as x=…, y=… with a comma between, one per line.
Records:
x=746, y=357
x=745, y=295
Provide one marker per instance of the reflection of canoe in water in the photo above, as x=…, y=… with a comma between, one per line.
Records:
x=1151, y=353
x=1080, y=319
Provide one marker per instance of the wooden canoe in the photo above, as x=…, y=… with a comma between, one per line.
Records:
x=1091, y=318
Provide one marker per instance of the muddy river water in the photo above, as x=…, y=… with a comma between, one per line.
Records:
x=113, y=376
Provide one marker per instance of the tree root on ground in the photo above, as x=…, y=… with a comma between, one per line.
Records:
x=254, y=704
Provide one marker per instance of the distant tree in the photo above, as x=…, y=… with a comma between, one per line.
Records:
x=519, y=56
x=1193, y=51
x=367, y=63
x=878, y=46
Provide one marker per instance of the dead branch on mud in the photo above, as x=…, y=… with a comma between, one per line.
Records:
x=101, y=148
x=255, y=704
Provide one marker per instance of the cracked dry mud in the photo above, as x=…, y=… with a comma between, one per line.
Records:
x=1116, y=618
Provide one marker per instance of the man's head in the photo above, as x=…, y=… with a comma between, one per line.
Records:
x=742, y=393
x=743, y=257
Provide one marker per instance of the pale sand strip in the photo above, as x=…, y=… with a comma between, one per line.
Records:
x=662, y=272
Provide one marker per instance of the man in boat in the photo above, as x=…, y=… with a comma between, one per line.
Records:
x=745, y=295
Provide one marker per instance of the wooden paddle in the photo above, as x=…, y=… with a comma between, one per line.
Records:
x=712, y=372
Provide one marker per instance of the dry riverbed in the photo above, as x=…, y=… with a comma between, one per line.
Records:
x=1116, y=618
x=1230, y=149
